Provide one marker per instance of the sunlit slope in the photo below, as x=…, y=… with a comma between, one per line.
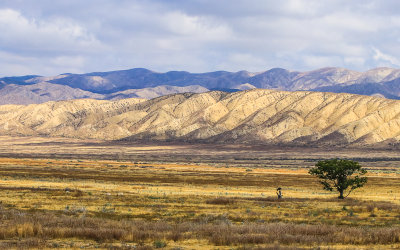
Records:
x=257, y=115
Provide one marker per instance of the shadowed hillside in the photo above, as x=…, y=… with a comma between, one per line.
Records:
x=143, y=83
x=258, y=115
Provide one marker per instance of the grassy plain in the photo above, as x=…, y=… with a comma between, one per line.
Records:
x=74, y=194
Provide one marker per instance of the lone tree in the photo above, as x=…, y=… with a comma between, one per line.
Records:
x=340, y=175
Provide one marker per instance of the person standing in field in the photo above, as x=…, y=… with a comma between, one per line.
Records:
x=279, y=192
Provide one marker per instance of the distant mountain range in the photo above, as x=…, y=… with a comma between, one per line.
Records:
x=251, y=116
x=147, y=84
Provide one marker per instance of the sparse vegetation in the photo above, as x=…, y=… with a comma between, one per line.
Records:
x=340, y=174
x=221, y=201
x=94, y=203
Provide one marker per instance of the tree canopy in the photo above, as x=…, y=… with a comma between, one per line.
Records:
x=340, y=174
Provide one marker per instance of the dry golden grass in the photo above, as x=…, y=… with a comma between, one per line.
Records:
x=122, y=204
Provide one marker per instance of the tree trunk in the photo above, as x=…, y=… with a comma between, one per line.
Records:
x=341, y=194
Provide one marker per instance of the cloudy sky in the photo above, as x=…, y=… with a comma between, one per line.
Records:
x=49, y=37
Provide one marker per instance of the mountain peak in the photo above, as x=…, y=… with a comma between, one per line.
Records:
x=328, y=79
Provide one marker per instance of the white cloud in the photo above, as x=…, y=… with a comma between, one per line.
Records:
x=385, y=59
x=32, y=36
x=50, y=37
x=243, y=61
x=43, y=46
x=195, y=26
x=315, y=61
x=354, y=61
x=14, y=64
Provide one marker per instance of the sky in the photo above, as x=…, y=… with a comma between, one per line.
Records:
x=50, y=37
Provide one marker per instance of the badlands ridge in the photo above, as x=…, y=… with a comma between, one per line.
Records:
x=252, y=116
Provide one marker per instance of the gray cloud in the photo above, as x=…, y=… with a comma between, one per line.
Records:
x=51, y=37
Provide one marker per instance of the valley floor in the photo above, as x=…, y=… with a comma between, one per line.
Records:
x=72, y=194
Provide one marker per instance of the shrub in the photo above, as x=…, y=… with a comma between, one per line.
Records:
x=159, y=244
x=220, y=201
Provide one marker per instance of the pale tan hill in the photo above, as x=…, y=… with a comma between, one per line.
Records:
x=379, y=75
x=41, y=92
x=44, y=92
x=150, y=93
x=257, y=115
x=323, y=77
x=40, y=79
x=245, y=86
x=311, y=80
x=144, y=83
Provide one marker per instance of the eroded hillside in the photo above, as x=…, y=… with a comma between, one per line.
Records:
x=257, y=115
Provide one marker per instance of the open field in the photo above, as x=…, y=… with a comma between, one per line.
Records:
x=242, y=155
x=73, y=194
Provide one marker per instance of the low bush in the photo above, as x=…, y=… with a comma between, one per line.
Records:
x=221, y=201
